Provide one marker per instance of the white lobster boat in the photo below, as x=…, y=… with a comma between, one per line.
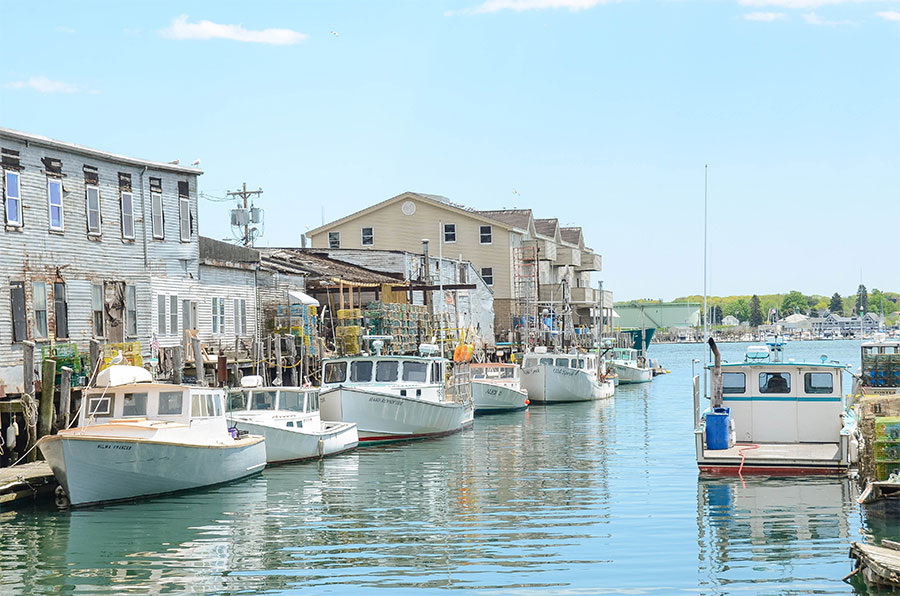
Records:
x=631, y=366
x=558, y=377
x=138, y=438
x=394, y=398
x=288, y=417
x=496, y=388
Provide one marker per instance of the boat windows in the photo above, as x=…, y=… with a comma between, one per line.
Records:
x=290, y=424
x=237, y=401
x=562, y=362
x=99, y=406
x=210, y=405
x=291, y=400
x=436, y=373
x=135, y=404
x=819, y=382
x=312, y=402
x=196, y=405
x=547, y=361
x=264, y=400
x=415, y=372
x=508, y=372
x=478, y=373
x=170, y=403
x=775, y=382
x=361, y=371
x=335, y=372
x=386, y=371
x=580, y=363
x=734, y=382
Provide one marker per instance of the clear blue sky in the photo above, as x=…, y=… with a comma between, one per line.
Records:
x=599, y=113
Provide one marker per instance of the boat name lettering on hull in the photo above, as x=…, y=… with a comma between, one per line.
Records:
x=386, y=400
x=114, y=446
x=491, y=391
x=568, y=372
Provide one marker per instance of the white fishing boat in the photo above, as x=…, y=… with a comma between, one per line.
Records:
x=557, y=377
x=137, y=438
x=767, y=416
x=288, y=417
x=395, y=398
x=631, y=366
x=496, y=387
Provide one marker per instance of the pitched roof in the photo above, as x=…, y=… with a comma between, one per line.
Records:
x=318, y=267
x=517, y=218
x=436, y=200
x=570, y=235
x=546, y=227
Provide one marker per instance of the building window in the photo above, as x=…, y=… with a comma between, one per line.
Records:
x=61, y=309
x=92, y=207
x=156, y=215
x=97, y=309
x=54, y=204
x=218, y=315
x=184, y=211
x=127, y=216
x=240, y=316
x=487, y=274
x=334, y=239
x=17, y=300
x=130, y=311
x=368, y=236
x=486, y=234
x=39, y=298
x=161, y=314
x=449, y=232
x=13, y=199
x=173, y=315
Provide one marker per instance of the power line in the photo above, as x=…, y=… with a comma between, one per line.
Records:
x=248, y=235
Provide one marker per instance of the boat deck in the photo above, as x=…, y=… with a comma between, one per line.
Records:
x=774, y=458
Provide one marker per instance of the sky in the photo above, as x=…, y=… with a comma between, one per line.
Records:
x=604, y=114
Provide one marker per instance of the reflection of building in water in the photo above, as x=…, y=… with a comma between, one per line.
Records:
x=779, y=522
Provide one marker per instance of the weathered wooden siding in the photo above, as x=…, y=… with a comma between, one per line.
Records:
x=37, y=253
x=393, y=230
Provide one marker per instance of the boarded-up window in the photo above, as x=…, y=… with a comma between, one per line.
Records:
x=97, y=309
x=9, y=158
x=17, y=299
x=61, y=309
x=130, y=311
x=39, y=299
x=52, y=166
x=91, y=176
x=334, y=239
x=184, y=211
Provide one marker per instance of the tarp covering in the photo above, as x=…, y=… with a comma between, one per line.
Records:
x=301, y=298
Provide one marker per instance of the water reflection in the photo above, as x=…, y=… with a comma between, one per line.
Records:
x=788, y=528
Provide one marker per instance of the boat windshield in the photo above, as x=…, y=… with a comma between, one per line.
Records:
x=135, y=405
x=547, y=361
x=386, y=371
x=335, y=372
x=361, y=371
x=312, y=402
x=237, y=401
x=562, y=362
x=415, y=372
x=263, y=400
x=291, y=400
x=171, y=403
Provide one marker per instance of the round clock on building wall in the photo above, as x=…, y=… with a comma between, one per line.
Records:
x=408, y=208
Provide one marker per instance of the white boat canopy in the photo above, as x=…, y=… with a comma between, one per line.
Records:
x=298, y=297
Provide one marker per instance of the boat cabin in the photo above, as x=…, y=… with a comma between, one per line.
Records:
x=582, y=361
x=626, y=354
x=153, y=401
x=784, y=402
x=406, y=370
x=280, y=399
x=493, y=372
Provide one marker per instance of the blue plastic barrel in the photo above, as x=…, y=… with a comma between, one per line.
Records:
x=718, y=427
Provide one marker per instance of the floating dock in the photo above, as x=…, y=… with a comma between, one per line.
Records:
x=25, y=483
x=879, y=566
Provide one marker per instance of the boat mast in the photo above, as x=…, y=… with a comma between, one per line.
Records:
x=705, y=308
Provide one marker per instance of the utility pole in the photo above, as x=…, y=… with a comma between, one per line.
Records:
x=245, y=194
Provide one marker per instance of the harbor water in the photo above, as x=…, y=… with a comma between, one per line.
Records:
x=590, y=498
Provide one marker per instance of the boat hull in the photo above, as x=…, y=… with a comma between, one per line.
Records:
x=492, y=398
x=289, y=444
x=633, y=374
x=547, y=384
x=96, y=470
x=386, y=417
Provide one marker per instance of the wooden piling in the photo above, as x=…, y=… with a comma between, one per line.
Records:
x=65, y=397
x=178, y=370
x=236, y=369
x=28, y=389
x=292, y=352
x=95, y=357
x=278, y=370
x=198, y=360
x=48, y=388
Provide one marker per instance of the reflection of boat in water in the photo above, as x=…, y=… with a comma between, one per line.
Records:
x=138, y=438
x=767, y=416
x=798, y=524
x=288, y=417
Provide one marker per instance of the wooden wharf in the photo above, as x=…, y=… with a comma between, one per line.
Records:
x=25, y=483
x=879, y=566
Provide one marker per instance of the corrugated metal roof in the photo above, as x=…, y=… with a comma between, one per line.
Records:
x=318, y=267
x=73, y=148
